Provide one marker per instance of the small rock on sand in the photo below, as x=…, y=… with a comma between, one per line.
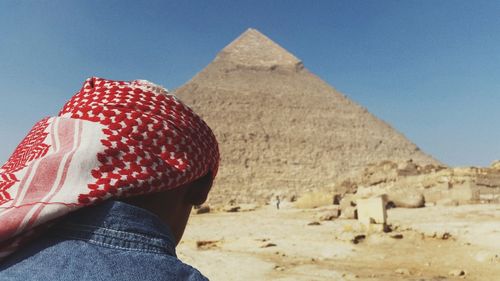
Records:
x=402, y=271
x=397, y=236
x=457, y=272
x=279, y=268
x=231, y=208
x=203, y=209
x=267, y=245
x=329, y=215
x=247, y=207
x=358, y=238
x=206, y=244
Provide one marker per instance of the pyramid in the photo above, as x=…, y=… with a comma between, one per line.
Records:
x=281, y=129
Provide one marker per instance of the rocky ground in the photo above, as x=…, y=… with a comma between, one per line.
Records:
x=431, y=243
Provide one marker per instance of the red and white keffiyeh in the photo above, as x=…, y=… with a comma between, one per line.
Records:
x=113, y=139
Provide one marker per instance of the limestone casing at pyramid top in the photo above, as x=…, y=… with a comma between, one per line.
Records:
x=254, y=49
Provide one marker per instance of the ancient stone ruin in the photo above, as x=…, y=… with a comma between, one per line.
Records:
x=411, y=185
x=282, y=130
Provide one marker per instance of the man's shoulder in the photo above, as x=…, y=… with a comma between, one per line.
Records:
x=88, y=261
x=152, y=266
x=111, y=241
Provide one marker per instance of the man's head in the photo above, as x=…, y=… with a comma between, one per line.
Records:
x=112, y=140
x=167, y=153
x=152, y=141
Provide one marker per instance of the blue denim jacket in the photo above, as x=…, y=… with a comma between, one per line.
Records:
x=112, y=241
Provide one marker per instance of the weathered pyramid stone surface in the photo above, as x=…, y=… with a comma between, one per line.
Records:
x=281, y=129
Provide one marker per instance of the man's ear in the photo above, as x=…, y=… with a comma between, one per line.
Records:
x=197, y=191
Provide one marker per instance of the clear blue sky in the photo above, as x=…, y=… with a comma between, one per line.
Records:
x=429, y=68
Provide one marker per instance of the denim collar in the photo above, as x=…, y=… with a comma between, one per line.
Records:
x=116, y=224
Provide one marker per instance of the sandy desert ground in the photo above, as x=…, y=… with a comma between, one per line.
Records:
x=431, y=243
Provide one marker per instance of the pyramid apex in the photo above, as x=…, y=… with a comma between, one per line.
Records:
x=254, y=49
x=252, y=30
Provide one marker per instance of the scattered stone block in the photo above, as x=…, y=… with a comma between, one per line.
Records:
x=348, y=207
x=372, y=210
x=347, y=201
x=329, y=215
x=349, y=213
